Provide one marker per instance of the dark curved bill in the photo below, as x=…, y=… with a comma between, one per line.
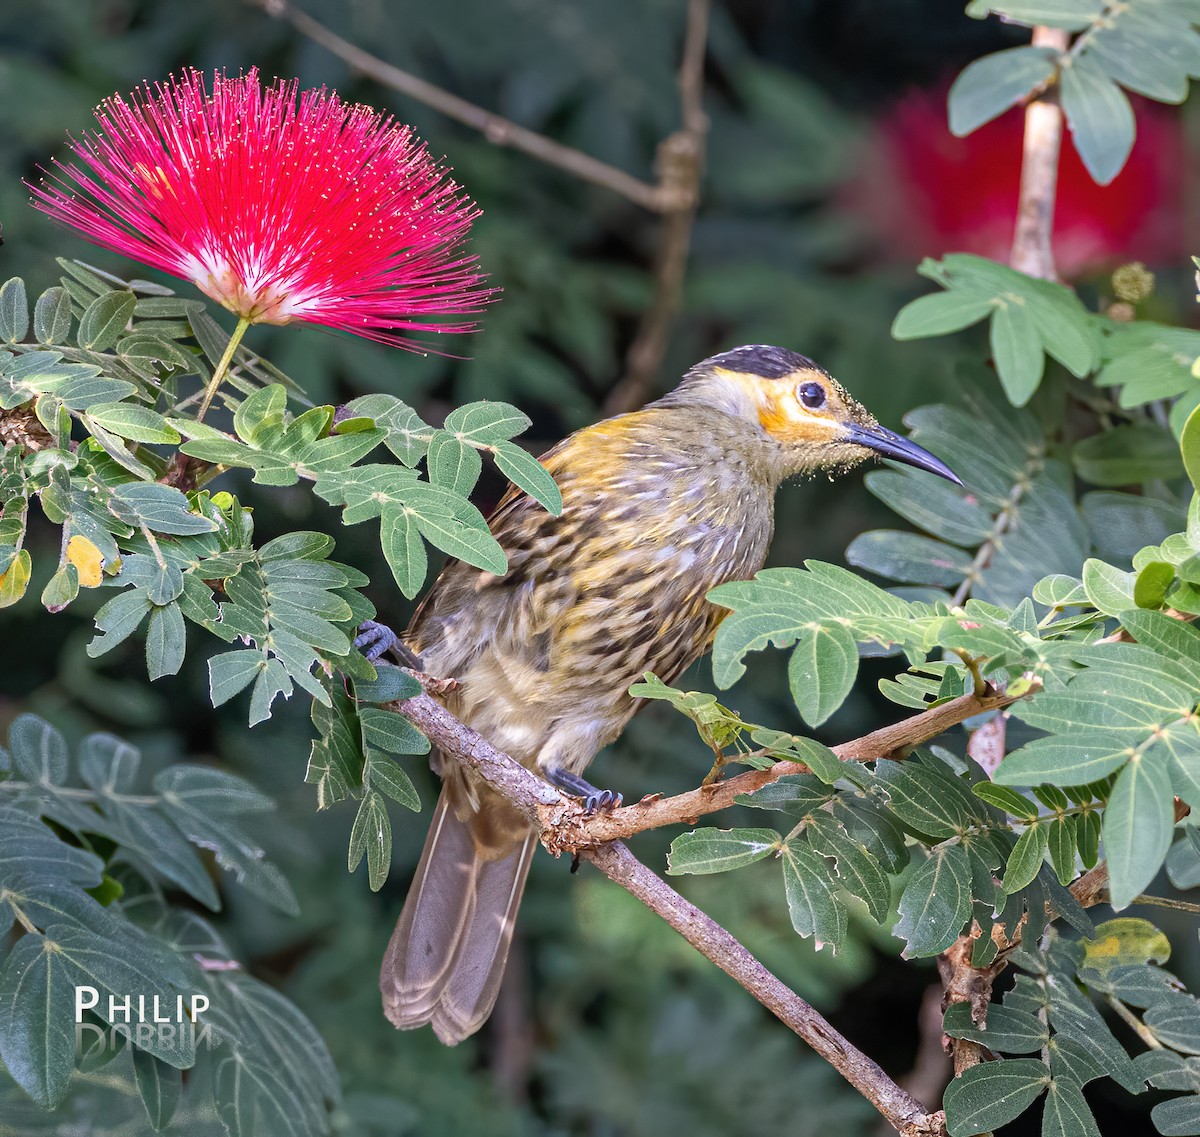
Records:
x=888, y=444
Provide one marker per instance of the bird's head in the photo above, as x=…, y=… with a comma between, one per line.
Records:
x=806, y=417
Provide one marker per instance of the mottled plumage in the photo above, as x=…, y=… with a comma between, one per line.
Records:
x=659, y=506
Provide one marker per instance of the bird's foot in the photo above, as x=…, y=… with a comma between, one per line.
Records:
x=594, y=799
x=375, y=639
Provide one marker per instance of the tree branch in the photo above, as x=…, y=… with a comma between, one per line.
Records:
x=1032, y=249
x=684, y=809
x=543, y=804
x=662, y=198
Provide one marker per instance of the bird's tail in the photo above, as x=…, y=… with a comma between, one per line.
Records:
x=446, y=957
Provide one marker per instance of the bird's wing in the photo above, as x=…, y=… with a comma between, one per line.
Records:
x=468, y=609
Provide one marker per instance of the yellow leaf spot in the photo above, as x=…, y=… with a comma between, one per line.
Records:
x=87, y=559
x=1125, y=941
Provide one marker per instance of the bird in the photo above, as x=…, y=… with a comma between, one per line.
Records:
x=659, y=506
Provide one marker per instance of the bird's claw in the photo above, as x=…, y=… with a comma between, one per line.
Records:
x=375, y=640
x=606, y=800
x=594, y=798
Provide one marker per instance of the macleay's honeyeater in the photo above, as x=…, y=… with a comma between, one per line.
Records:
x=659, y=506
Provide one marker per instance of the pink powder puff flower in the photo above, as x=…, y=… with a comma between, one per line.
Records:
x=926, y=193
x=279, y=204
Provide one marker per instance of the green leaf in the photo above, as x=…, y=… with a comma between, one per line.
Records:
x=1107, y=587
x=939, y=508
x=61, y=589
x=908, y=557
x=104, y=320
x=818, y=758
x=1062, y=841
x=992, y=1094
x=37, y=1020
x=1067, y=1113
x=859, y=873
x=1074, y=15
x=232, y=672
x=52, y=316
x=939, y=314
x=1154, y=579
x=525, y=471
x=1175, y=1022
x=921, y=801
x=1006, y=799
x=814, y=910
x=38, y=750
x=108, y=764
x=822, y=670
x=129, y=420
x=14, y=310
x=719, y=850
x=455, y=527
x=158, y=848
x=1100, y=118
x=1071, y=1061
x=1025, y=861
x=210, y=791
x=1064, y=760
x=235, y=852
x=161, y=508
x=264, y=408
x=1127, y=455
x=407, y=435
x=29, y=850
x=1138, y=823
x=166, y=641
x=389, y=685
x=371, y=833
x=89, y=960
x=15, y=578
x=1178, y=1117
x=486, y=422
x=391, y=732
x=1148, y=48
x=1008, y=1030
x=387, y=777
x=160, y=1087
x=1189, y=445
x=403, y=549
x=1017, y=351
x=453, y=464
x=1060, y=591
x=936, y=902
x=989, y=86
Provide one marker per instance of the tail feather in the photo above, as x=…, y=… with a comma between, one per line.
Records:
x=446, y=957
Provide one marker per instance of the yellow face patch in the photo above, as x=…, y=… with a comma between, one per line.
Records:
x=806, y=406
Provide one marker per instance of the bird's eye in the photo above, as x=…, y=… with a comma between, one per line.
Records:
x=812, y=395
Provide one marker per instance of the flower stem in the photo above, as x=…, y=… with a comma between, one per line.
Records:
x=222, y=367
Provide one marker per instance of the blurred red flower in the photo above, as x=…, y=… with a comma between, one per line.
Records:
x=926, y=193
x=282, y=205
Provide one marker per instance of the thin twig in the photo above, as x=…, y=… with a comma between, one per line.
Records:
x=1032, y=249
x=680, y=164
x=494, y=127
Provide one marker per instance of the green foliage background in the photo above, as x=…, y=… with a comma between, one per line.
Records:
x=611, y=1024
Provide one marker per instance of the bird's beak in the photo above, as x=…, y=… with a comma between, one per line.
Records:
x=888, y=444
